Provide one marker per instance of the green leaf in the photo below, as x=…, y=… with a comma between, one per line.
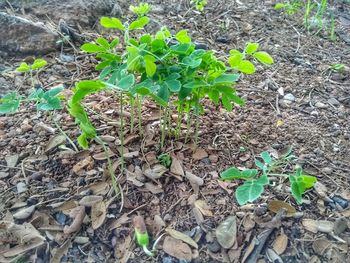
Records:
x=164, y=93
x=192, y=63
x=195, y=84
x=146, y=39
x=226, y=103
x=259, y=164
x=114, y=43
x=249, y=192
x=139, y=23
x=182, y=37
x=53, y=92
x=111, y=23
x=151, y=67
x=39, y=63
x=103, y=42
x=158, y=45
x=266, y=157
x=236, y=99
x=37, y=94
x=279, y=6
x=263, y=57
x=182, y=49
x=23, y=67
x=92, y=48
x=226, y=79
x=173, y=85
x=234, y=173
x=251, y=48
x=246, y=67
x=127, y=82
x=235, y=60
x=10, y=102
x=299, y=184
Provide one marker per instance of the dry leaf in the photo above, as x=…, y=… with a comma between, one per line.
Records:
x=70, y=204
x=181, y=236
x=203, y=207
x=24, y=213
x=82, y=164
x=58, y=253
x=54, y=142
x=119, y=222
x=321, y=245
x=78, y=215
x=100, y=188
x=199, y=154
x=153, y=188
x=176, y=167
x=280, y=243
x=90, y=200
x=156, y=172
x=195, y=181
x=226, y=232
x=310, y=225
x=131, y=155
x=98, y=214
x=103, y=155
x=198, y=215
x=177, y=249
x=276, y=205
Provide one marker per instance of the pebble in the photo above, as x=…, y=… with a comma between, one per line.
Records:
x=214, y=247
x=222, y=39
x=321, y=105
x=327, y=170
x=314, y=113
x=333, y=102
x=21, y=187
x=340, y=201
x=167, y=260
x=289, y=97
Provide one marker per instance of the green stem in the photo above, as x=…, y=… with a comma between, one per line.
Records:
x=179, y=121
x=197, y=118
x=121, y=131
x=132, y=113
x=64, y=134
x=188, y=124
x=163, y=120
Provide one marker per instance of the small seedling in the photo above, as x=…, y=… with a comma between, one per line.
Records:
x=31, y=68
x=141, y=234
x=337, y=67
x=199, y=4
x=291, y=7
x=256, y=179
x=165, y=160
x=141, y=10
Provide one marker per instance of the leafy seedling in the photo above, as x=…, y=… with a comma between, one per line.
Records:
x=199, y=4
x=141, y=10
x=337, y=67
x=255, y=180
x=38, y=64
x=141, y=234
x=165, y=160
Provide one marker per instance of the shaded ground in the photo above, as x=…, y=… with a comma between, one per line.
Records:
x=316, y=125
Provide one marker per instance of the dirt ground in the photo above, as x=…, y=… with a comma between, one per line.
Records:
x=298, y=101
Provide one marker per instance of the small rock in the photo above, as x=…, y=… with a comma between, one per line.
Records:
x=340, y=201
x=214, y=247
x=213, y=158
x=21, y=187
x=222, y=39
x=321, y=105
x=333, y=102
x=327, y=170
x=66, y=58
x=289, y=97
x=314, y=113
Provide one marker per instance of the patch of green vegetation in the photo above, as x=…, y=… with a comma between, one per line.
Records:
x=199, y=4
x=256, y=179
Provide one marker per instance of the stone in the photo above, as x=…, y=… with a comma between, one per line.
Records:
x=24, y=37
x=289, y=97
x=333, y=102
x=321, y=105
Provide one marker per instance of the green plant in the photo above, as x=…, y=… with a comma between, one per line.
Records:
x=166, y=68
x=291, y=7
x=141, y=10
x=141, y=235
x=31, y=68
x=255, y=180
x=199, y=4
x=165, y=160
x=337, y=67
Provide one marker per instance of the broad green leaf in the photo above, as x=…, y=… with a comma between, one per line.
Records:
x=127, y=82
x=251, y=48
x=111, y=23
x=92, y=48
x=226, y=79
x=158, y=45
x=246, y=67
x=53, y=92
x=266, y=157
x=182, y=37
x=103, y=65
x=279, y=6
x=51, y=104
x=103, y=42
x=163, y=33
x=182, y=49
x=259, y=164
x=114, y=43
x=263, y=57
x=214, y=95
x=39, y=63
x=192, y=63
x=234, y=52
x=299, y=184
x=173, y=85
x=164, y=93
x=150, y=66
x=196, y=84
x=139, y=23
x=308, y=180
x=226, y=103
x=235, y=60
x=234, y=173
x=37, y=94
x=236, y=99
x=143, y=91
x=10, y=102
x=86, y=87
x=146, y=39
x=174, y=75
x=249, y=192
x=83, y=142
x=23, y=67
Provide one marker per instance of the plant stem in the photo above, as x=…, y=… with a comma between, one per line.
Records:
x=121, y=131
x=139, y=111
x=197, y=118
x=179, y=121
x=188, y=124
x=132, y=113
x=163, y=123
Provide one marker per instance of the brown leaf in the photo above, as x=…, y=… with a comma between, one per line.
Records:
x=153, y=188
x=24, y=213
x=90, y=200
x=131, y=155
x=70, y=204
x=177, y=249
x=276, y=205
x=54, y=142
x=98, y=214
x=181, y=236
x=199, y=154
x=155, y=172
x=119, y=222
x=103, y=156
x=280, y=244
x=321, y=245
x=78, y=215
x=58, y=253
x=203, y=207
x=226, y=232
x=82, y=164
x=195, y=181
x=176, y=166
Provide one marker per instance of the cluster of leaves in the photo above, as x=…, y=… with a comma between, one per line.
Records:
x=169, y=69
x=314, y=12
x=44, y=100
x=199, y=4
x=256, y=179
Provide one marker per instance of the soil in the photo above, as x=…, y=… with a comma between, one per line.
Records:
x=299, y=102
